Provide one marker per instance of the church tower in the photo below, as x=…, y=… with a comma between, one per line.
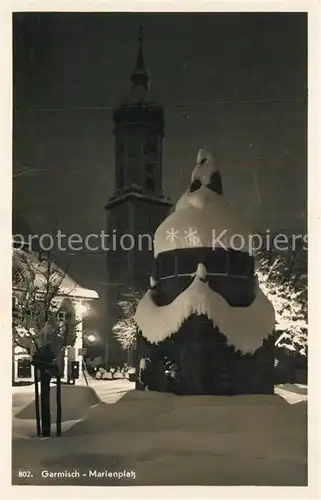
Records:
x=138, y=204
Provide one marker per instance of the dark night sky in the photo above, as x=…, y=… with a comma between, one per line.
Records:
x=71, y=69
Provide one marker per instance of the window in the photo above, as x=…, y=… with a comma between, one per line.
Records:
x=185, y=262
x=216, y=261
x=150, y=168
x=134, y=148
x=150, y=173
x=24, y=368
x=166, y=264
x=62, y=316
x=120, y=175
x=120, y=146
x=151, y=144
x=150, y=184
x=240, y=264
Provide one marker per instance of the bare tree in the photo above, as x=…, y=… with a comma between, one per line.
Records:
x=44, y=321
x=125, y=328
x=287, y=291
x=39, y=299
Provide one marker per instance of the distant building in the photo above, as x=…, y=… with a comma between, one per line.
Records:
x=71, y=301
x=138, y=204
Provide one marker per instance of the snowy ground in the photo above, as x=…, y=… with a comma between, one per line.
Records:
x=113, y=390
x=23, y=413
x=162, y=439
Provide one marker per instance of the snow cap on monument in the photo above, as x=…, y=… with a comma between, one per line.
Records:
x=204, y=156
x=206, y=173
x=202, y=216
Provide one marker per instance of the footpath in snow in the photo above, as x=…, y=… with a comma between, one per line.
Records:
x=149, y=438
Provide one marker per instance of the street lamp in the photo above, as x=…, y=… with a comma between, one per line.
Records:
x=91, y=338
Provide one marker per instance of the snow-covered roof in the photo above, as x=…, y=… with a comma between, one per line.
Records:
x=202, y=218
x=133, y=194
x=29, y=262
x=244, y=327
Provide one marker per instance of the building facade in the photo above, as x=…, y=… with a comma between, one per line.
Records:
x=33, y=287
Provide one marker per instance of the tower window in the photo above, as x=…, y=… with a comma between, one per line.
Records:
x=120, y=147
x=134, y=148
x=150, y=184
x=150, y=168
x=151, y=144
x=120, y=176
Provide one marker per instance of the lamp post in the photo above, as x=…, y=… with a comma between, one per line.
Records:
x=81, y=310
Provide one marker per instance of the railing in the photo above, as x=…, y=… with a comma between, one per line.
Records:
x=218, y=262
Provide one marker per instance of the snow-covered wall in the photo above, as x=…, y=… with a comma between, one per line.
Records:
x=244, y=327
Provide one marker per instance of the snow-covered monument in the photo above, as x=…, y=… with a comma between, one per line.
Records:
x=205, y=327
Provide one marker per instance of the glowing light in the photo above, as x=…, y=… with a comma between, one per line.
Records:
x=91, y=337
x=82, y=308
